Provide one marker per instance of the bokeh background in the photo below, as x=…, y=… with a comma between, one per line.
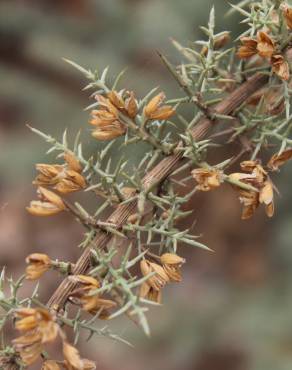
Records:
x=233, y=310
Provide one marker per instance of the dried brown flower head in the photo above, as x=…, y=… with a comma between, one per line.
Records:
x=266, y=197
x=277, y=160
x=248, y=48
x=265, y=45
x=48, y=174
x=29, y=348
x=128, y=106
x=171, y=264
x=159, y=278
x=258, y=178
x=65, y=178
x=88, y=299
x=28, y=319
x=106, y=120
x=72, y=181
x=207, y=178
x=73, y=361
x=151, y=289
x=147, y=292
x=280, y=67
x=155, y=110
x=72, y=162
x=256, y=170
x=49, y=203
x=250, y=202
x=38, y=327
x=38, y=264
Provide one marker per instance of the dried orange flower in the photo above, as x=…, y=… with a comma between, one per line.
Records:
x=65, y=178
x=48, y=174
x=106, y=119
x=87, y=282
x=72, y=162
x=50, y=365
x=127, y=106
x=38, y=319
x=39, y=327
x=147, y=292
x=109, y=132
x=73, y=361
x=38, y=264
x=265, y=45
x=278, y=160
x=72, y=181
x=257, y=171
x=248, y=48
x=248, y=198
x=159, y=278
x=49, y=204
x=29, y=348
x=171, y=264
x=207, y=178
x=250, y=202
x=95, y=304
x=90, y=301
x=72, y=356
x=267, y=197
x=116, y=99
x=287, y=11
x=131, y=105
x=280, y=67
x=155, y=110
x=151, y=289
x=258, y=178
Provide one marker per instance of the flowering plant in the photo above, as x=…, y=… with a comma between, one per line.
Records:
x=238, y=94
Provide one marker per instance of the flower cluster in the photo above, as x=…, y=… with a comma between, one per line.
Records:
x=255, y=175
x=65, y=178
x=265, y=47
x=107, y=120
x=118, y=111
x=160, y=275
x=260, y=190
x=38, y=327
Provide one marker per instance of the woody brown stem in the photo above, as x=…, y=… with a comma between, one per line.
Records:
x=158, y=174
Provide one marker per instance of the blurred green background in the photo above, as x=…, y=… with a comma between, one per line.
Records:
x=233, y=310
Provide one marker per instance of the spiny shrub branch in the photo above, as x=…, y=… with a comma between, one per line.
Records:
x=237, y=94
